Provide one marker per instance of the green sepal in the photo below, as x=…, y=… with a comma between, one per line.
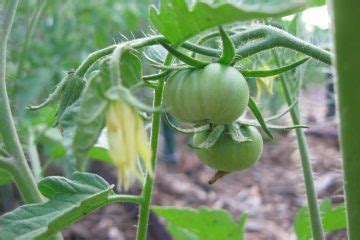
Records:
x=228, y=50
x=171, y=67
x=156, y=76
x=236, y=134
x=184, y=58
x=256, y=112
x=277, y=116
x=273, y=72
x=52, y=96
x=270, y=126
x=212, y=138
x=199, y=129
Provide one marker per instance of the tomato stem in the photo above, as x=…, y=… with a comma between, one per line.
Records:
x=17, y=165
x=269, y=37
x=315, y=220
x=149, y=180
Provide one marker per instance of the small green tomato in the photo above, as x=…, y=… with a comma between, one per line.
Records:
x=215, y=94
x=228, y=155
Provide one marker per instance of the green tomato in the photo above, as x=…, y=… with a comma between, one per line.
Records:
x=215, y=94
x=228, y=155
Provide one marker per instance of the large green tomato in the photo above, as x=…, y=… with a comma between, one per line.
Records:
x=214, y=94
x=228, y=155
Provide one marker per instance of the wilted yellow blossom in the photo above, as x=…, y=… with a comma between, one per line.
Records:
x=127, y=141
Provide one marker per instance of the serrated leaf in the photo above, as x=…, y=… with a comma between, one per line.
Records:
x=69, y=201
x=332, y=219
x=205, y=224
x=179, y=22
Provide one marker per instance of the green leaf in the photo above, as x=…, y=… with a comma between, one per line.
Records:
x=100, y=153
x=204, y=224
x=5, y=177
x=256, y=112
x=90, y=119
x=69, y=201
x=332, y=219
x=179, y=22
x=92, y=103
x=179, y=233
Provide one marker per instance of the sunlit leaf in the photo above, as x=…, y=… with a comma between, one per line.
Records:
x=332, y=218
x=177, y=21
x=209, y=224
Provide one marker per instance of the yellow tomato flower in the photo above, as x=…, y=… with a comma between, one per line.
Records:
x=128, y=141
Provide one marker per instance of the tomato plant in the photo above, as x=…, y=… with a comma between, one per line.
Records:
x=203, y=85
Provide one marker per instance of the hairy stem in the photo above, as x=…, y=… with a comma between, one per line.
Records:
x=315, y=220
x=124, y=198
x=149, y=181
x=22, y=174
x=34, y=155
x=345, y=15
x=266, y=37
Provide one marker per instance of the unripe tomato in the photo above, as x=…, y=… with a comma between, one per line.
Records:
x=228, y=155
x=214, y=94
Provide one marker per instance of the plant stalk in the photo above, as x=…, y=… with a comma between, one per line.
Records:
x=315, y=220
x=22, y=175
x=345, y=16
x=149, y=180
x=268, y=37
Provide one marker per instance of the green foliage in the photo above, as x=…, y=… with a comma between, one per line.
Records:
x=90, y=119
x=68, y=201
x=332, y=219
x=202, y=224
x=5, y=177
x=178, y=22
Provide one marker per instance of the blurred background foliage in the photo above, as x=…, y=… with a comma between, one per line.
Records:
x=66, y=32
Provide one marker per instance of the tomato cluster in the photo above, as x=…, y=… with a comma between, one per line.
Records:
x=215, y=94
